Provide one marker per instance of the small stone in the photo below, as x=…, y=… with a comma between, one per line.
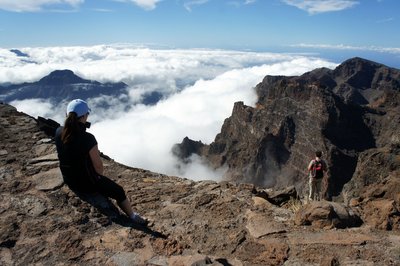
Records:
x=41, y=141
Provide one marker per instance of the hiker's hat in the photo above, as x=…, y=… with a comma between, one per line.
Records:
x=78, y=106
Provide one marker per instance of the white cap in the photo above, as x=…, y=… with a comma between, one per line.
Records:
x=78, y=106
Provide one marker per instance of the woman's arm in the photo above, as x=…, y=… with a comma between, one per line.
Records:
x=96, y=160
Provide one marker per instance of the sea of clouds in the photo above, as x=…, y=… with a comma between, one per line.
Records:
x=199, y=86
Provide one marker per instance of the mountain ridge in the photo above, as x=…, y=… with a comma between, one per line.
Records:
x=215, y=223
x=61, y=85
x=64, y=85
x=193, y=223
x=343, y=112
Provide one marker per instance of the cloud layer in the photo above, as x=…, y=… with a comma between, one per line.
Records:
x=201, y=87
x=390, y=50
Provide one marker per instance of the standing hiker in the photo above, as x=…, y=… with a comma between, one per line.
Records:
x=80, y=162
x=316, y=169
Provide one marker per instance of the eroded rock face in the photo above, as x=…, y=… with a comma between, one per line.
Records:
x=193, y=223
x=351, y=113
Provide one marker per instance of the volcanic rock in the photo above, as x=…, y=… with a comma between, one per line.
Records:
x=351, y=114
x=327, y=214
x=194, y=223
x=42, y=222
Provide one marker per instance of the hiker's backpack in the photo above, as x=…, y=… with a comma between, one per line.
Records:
x=317, y=169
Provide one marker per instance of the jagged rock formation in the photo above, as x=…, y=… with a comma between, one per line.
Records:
x=351, y=113
x=194, y=223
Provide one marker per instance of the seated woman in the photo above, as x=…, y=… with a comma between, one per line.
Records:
x=80, y=162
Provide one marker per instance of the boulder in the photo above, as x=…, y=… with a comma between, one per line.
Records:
x=382, y=214
x=322, y=214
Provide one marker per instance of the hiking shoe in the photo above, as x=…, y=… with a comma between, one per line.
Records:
x=139, y=220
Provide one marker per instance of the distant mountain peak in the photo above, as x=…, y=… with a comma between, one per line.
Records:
x=61, y=77
x=62, y=85
x=19, y=53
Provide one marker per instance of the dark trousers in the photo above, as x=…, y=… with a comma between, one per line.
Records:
x=102, y=185
x=110, y=189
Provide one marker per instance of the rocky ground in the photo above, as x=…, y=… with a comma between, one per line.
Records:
x=193, y=223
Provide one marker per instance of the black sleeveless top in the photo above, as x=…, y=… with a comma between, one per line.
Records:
x=75, y=163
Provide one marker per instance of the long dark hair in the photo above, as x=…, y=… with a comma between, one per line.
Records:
x=71, y=127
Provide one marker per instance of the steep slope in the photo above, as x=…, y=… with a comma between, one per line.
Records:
x=194, y=223
x=347, y=113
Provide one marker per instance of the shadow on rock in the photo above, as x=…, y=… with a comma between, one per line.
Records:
x=107, y=208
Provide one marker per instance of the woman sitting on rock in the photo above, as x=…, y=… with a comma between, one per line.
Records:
x=80, y=162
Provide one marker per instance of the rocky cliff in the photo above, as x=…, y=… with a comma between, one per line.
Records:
x=208, y=223
x=351, y=113
x=193, y=223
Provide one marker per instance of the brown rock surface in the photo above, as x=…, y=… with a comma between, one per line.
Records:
x=323, y=214
x=350, y=113
x=194, y=223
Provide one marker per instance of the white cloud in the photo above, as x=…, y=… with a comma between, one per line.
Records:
x=34, y=5
x=145, y=4
x=321, y=6
x=391, y=50
x=141, y=68
x=241, y=3
x=202, y=86
x=103, y=10
x=189, y=4
x=40, y=107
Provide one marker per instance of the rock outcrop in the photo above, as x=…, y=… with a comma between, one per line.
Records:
x=193, y=223
x=351, y=113
x=322, y=214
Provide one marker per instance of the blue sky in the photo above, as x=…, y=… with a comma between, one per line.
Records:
x=337, y=26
